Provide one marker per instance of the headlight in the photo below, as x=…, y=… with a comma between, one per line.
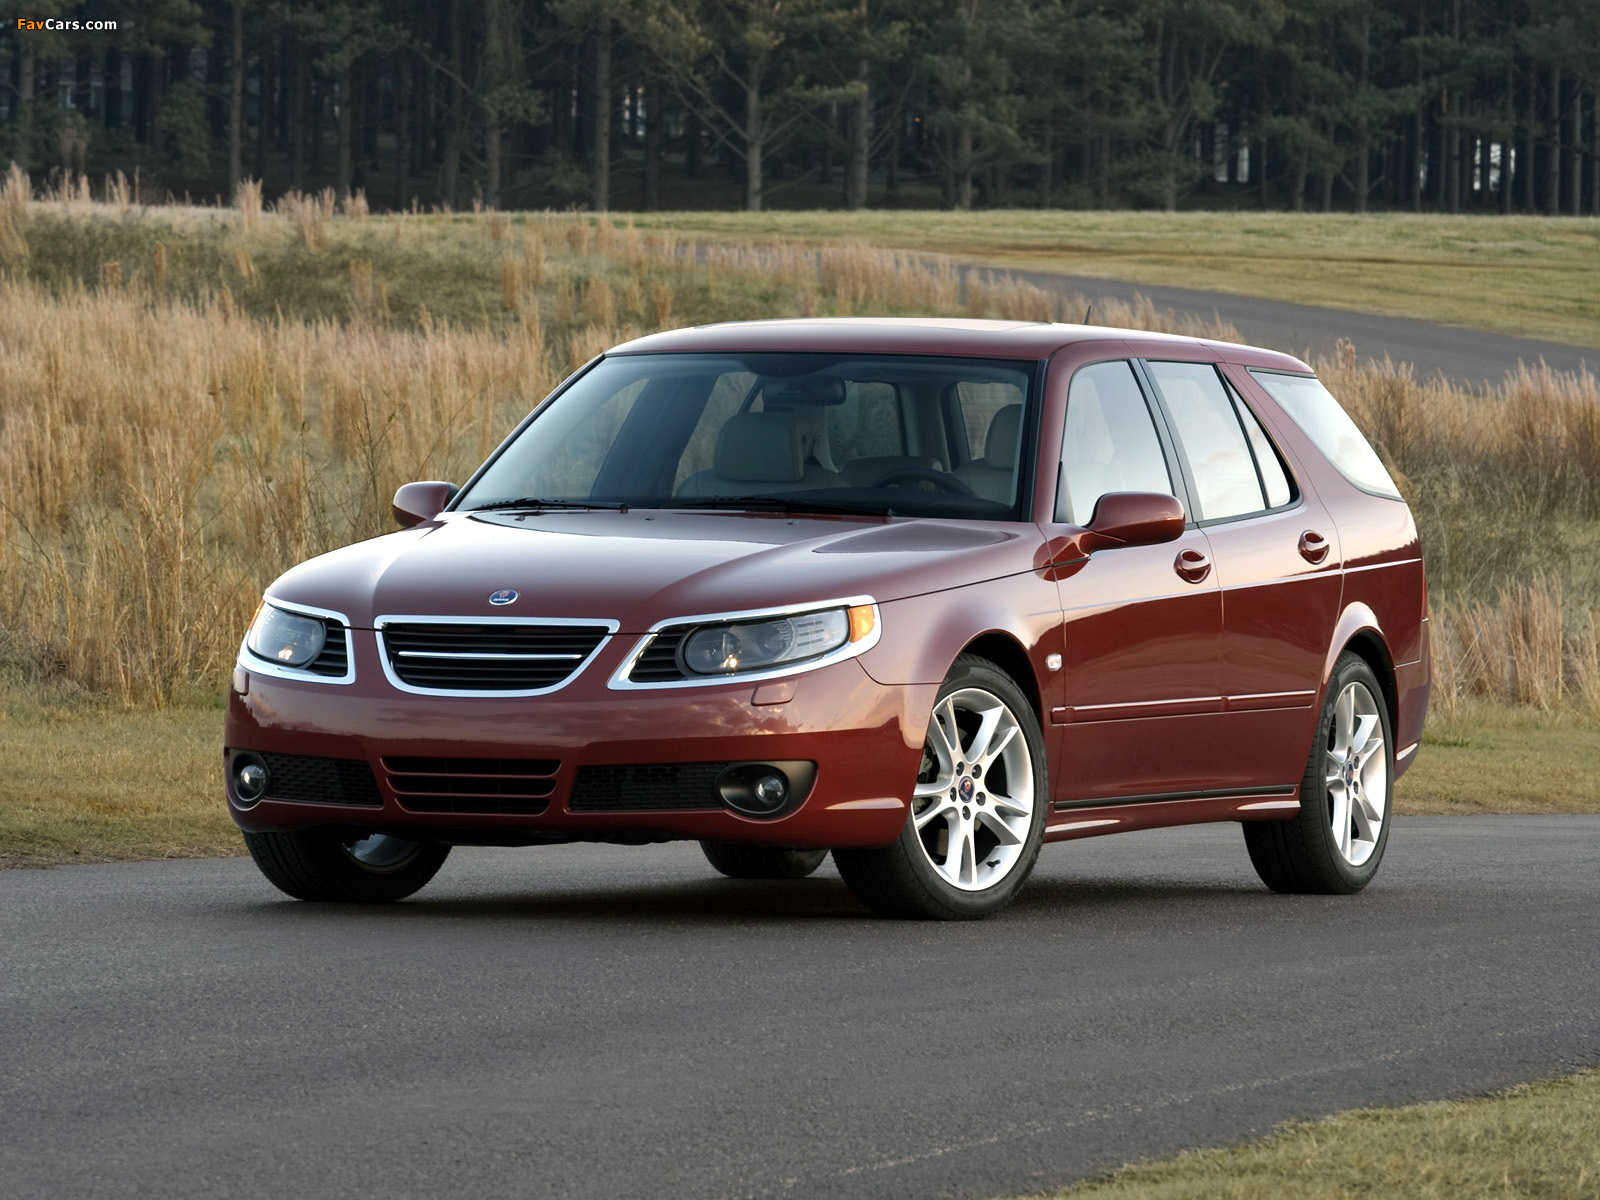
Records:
x=286, y=637
x=756, y=645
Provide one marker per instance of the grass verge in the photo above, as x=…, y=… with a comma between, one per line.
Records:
x=1536, y=277
x=82, y=781
x=1534, y=1140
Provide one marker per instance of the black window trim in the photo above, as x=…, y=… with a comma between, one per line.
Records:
x=1295, y=500
x=1158, y=419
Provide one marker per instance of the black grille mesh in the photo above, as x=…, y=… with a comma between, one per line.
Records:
x=419, y=654
x=647, y=787
x=659, y=662
x=303, y=779
x=472, y=785
x=335, y=657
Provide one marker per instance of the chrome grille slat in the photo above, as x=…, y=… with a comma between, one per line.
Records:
x=494, y=656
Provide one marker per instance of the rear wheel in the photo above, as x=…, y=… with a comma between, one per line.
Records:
x=318, y=864
x=977, y=810
x=1336, y=842
x=739, y=861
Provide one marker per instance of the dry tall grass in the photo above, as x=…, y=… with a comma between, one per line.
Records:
x=175, y=430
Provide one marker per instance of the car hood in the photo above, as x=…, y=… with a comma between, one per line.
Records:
x=642, y=567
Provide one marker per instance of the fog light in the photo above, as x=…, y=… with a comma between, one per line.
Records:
x=766, y=789
x=249, y=779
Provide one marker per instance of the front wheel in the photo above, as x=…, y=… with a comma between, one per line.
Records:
x=1336, y=841
x=318, y=864
x=977, y=809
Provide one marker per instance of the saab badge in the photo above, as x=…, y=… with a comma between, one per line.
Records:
x=503, y=596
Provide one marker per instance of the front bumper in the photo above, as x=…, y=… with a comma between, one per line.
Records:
x=864, y=737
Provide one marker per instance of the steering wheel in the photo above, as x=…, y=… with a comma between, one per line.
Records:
x=939, y=479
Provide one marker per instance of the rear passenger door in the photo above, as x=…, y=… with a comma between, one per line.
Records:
x=1277, y=562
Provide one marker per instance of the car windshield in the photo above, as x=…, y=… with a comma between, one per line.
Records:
x=903, y=434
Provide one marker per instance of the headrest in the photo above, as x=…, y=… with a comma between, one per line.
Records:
x=761, y=447
x=1005, y=431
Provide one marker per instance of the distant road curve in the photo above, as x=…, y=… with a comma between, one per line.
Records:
x=1465, y=356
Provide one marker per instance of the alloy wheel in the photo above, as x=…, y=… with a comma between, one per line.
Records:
x=973, y=802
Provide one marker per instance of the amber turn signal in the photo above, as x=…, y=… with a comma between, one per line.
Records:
x=862, y=621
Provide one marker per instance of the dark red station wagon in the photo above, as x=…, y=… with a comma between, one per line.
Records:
x=923, y=593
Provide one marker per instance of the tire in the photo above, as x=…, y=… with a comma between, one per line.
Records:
x=739, y=861
x=318, y=864
x=972, y=836
x=1335, y=844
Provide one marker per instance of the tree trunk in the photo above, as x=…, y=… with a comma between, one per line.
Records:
x=1298, y=190
x=1575, y=168
x=267, y=114
x=753, y=143
x=602, y=116
x=1525, y=160
x=861, y=141
x=1047, y=172
x=236, y=103
x=455, y=119
x=1552, y=178
x=652, y=146
x=297, y=115
x=404, y=98
x=344, y=171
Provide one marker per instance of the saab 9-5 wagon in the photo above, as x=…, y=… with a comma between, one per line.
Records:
x=925, y=594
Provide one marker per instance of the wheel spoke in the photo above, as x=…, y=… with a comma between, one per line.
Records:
x=995, y=825
x=1344, y=714
x=988, y=722
x=1340, y=819
x=1366, y=737
x=936, y=809
x=1001, y=740
x=944, y=735
x=1021, y=805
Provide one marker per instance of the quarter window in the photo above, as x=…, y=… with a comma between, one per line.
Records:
x=1109, y=443
x=1319, y=415
x=1211, y=438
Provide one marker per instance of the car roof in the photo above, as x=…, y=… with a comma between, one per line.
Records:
x=941, y=335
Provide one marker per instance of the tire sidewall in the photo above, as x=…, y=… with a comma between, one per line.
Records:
x=1313, y=789
x=968, y=672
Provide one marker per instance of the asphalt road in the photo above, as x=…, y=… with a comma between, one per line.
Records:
x=609, y=1022
x=1468, y=357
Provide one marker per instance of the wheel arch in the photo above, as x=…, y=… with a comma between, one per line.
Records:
x=1005, y=652
x=1358, y=633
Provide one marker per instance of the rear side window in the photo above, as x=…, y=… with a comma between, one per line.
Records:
x=1320, y=417
x=1109, y=443
x=1211, y=438
x=1274, y=479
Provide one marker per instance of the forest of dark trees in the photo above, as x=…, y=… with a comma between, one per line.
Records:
x=1410, y=105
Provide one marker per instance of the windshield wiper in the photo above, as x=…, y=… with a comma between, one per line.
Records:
x=784, y=504
x=539, y=502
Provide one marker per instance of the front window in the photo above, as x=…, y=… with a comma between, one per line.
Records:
x=915, y=435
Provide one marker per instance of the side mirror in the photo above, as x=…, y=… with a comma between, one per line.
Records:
x=415, y=503
x=1134, y=519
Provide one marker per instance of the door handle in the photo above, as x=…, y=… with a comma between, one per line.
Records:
x=1193, y=565
x=1313, y=546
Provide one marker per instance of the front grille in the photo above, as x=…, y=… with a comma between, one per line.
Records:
x=497, y=657
x=472, y=785
x=305, y=780
x=647, y=787
x=335, y=657
x=659, y=662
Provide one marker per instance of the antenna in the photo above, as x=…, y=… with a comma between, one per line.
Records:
x=1087, y=313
